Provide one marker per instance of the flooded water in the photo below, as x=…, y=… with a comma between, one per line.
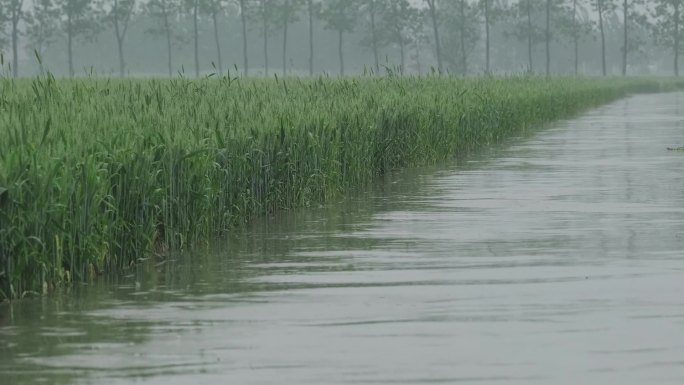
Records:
x=555, y=260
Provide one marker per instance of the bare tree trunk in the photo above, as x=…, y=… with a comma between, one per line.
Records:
x=243, y=18
x=70, y=52
x=529, y=35
x=402, y=54
x=486, y=15
x=195, y=10
x=464, y=58
x=438, y=49
x=374, y=37
x=287, y=23
x=167, y=30
x=676, y=38
x=265, y=31
x=419, y=64
x=341, y=32
x=16, y=17
x=311, y=39
x=41, y=66
x=40, y=49
x=575, y=35
x=218, y=42
x=625, y=10
x=122, y=63
x=548, y=37
x=603, y=38
x=119, y=42
x=120, y=29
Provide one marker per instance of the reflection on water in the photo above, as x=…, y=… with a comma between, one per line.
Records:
x=554, y=260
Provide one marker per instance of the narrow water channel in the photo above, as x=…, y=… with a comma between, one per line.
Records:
x=556, y=260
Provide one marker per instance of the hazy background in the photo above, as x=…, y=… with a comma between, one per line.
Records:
x=370, y=28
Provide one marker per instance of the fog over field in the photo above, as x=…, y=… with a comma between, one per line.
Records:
x=301, y=37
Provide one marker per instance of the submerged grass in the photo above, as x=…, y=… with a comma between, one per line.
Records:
x=95, y=174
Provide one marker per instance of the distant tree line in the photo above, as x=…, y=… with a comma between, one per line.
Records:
x=450, y=33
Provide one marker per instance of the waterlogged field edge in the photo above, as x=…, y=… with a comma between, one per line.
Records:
x=96, y=174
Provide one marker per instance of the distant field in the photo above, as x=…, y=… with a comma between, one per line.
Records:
x=95, y=174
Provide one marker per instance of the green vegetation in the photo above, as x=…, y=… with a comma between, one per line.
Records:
x=95, y=174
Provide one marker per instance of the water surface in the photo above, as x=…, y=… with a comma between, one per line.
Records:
x=554, y=260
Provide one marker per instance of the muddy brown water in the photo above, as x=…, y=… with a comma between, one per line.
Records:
x=557, y=259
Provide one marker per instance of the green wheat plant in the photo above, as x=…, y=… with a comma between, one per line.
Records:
x=96, y=174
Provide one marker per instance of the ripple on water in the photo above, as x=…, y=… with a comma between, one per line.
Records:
x=553, y=259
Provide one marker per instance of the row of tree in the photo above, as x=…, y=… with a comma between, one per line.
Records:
x=574, y=20
x=464, y=25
